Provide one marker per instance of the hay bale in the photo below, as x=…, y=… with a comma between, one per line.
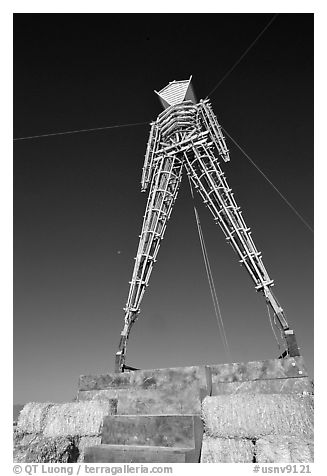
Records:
x=84, y=442
x=283, y=449
x=301, y=451
x=47, y=450
x=23, y=439
x=76, y=419
x=32, y=417
x=272, y=450
x=252, y=416
x=226, y=450
x=311, y=449
x=19, y=454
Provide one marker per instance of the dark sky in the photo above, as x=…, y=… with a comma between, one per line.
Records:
x=77, y=201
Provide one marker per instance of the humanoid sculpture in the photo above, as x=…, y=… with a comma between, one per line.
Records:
x=187, y=134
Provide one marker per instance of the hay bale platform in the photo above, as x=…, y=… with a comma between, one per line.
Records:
x=242, y=412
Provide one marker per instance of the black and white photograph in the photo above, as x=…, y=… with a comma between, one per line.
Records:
x=163, y=238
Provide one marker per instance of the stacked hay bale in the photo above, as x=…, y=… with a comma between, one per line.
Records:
x=284, y=449
x=46, y=450
x=226, y=450
x=59, y=433
x=261, y=428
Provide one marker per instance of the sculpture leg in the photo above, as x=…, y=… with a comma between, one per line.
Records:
x=209, y=179
x=163, y=193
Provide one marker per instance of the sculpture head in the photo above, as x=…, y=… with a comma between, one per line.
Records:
x=176, y=92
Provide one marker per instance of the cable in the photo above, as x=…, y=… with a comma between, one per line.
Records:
x=143, y=123
x=212, y=286
x=269, y=181
x=243, y=55
x=210, y=279
x=81, y=130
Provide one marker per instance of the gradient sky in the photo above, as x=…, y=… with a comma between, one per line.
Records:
x=77, y=201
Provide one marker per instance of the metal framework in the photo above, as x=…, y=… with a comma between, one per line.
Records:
x=187, y=134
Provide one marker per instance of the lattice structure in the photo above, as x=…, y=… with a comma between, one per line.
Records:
x=187, y=134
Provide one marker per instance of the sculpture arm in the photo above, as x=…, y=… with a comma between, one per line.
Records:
x=148, y=166
x=210, y=123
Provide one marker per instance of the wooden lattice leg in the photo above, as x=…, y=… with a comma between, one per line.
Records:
x=209, y=179
x=163, y=193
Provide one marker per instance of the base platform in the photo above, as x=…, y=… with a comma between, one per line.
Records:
x=158, y=412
